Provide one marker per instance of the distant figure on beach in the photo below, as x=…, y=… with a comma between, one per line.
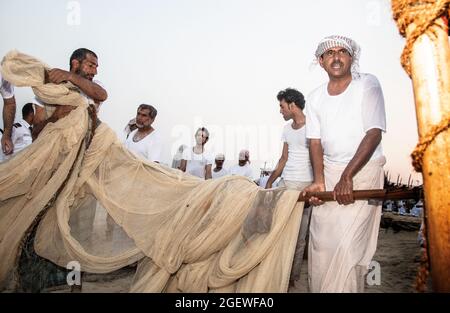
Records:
x=197, y=160
x=243, y=167
x=176, y=162
x=345, y=118
x=219, y=170
x=145, y=141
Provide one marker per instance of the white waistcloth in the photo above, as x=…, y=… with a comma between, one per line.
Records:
x=148, y=148
x=298, y=166
x=221, y=173
x=196, y=163
x=6, y=89
x=245, y=170
x=343, y=239
x=296, y=185
x=341, y=121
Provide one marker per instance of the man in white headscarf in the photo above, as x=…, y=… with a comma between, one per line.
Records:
x=345, y=118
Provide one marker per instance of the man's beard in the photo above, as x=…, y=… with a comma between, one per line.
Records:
x=141, y=126
x=84, y=74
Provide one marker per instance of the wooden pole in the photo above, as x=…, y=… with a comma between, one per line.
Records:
x=430, y=73
x=375, y=194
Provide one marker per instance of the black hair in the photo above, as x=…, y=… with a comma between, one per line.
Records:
x=291, y=95
x=151, y=108
x=27, y=110
x=80, y=55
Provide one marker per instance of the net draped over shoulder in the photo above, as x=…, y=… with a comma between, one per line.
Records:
x=101, y=206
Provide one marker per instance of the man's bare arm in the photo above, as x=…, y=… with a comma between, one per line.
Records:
x=316, y=156
x=9, y=112
x=183, y=165
x=89, y=88
x=208, y=174
x=39, y=115
x=60, y=112
x=280, y=166
x=343, y=191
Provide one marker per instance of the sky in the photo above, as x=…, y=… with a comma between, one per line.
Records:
x=216, y=63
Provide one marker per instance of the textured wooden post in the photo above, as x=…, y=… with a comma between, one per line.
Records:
x=430, y=72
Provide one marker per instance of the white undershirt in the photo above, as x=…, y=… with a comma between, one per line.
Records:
x=245, y=170
x=298, y=166
x=148, y=148
x=221, y=173
x=196, y=163
x=341, y=121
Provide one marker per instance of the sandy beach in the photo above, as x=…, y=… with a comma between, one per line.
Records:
x=398, y=254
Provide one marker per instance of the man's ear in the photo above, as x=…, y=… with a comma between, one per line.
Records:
x=321, y=61
x=75, y=64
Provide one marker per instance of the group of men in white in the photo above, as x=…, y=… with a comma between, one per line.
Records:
x=332, y=142
x=145, y=141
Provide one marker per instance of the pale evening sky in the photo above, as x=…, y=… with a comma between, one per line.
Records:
x=216, y=63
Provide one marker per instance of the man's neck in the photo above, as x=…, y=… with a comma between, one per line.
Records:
x=242, y=163
x=298, y=120
x=217, y=169
x=198, y=148
x=145, y=130
x=338, y=85
x=29, y=121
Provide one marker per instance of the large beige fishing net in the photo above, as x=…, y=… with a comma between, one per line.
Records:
x=100, y=205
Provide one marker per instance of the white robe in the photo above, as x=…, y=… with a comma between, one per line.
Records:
x=343, y=239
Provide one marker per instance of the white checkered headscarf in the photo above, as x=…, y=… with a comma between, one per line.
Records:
x=350, y=45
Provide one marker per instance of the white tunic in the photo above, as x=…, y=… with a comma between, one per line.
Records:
x=341, y=121
x=148, y=148
x=221, y=173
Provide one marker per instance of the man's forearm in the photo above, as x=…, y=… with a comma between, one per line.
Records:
x=38, y=127
x=316, y=156
x=365, y=151
x=183, y=165
x=277, y=172
x=208, y=174
x=9, y=112
x=60, y=112
x=89, y=88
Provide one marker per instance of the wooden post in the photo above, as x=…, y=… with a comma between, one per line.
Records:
x=430, y=73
